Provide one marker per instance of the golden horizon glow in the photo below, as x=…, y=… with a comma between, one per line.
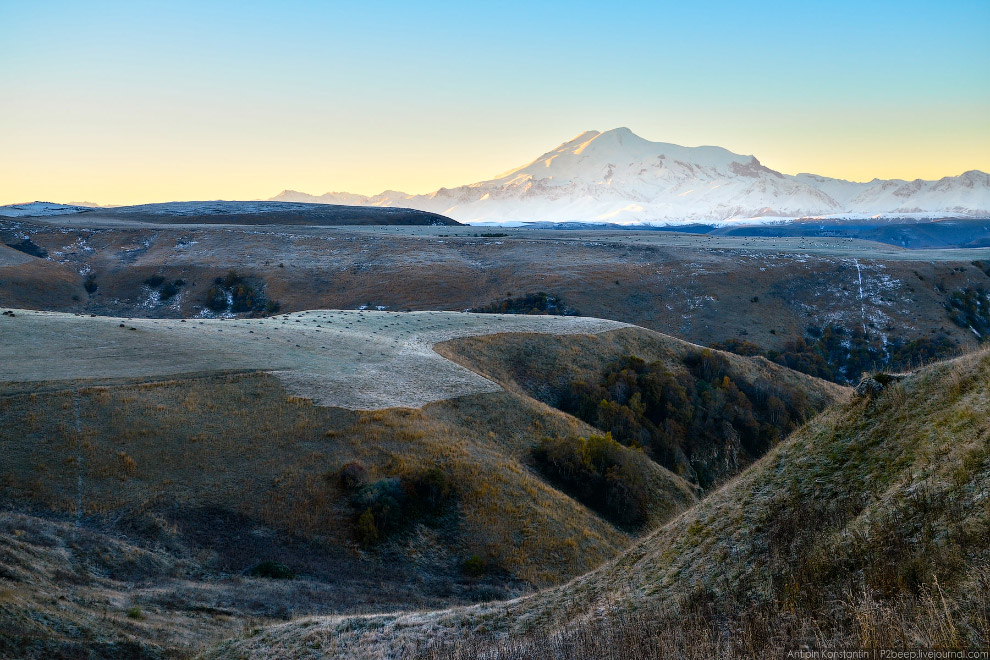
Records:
x=143, y=171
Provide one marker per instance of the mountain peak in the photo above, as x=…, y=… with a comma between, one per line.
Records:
x=621, y=132
x=620, y=177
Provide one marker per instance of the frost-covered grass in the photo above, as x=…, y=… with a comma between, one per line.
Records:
x=352, y=359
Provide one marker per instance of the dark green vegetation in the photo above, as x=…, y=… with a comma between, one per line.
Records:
x=166, y=289
x=272, y=570
x=29, y=247
x=688, y=419
x=702, y=414
x=238, y=295
x=600, y=473
x=396, y=502
x=970, y=308
x=533, y=303
x=841, y=355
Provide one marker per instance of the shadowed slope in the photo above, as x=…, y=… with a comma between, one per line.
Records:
x=869, y=527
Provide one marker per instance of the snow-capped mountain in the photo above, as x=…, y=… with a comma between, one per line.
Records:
x=619, y=177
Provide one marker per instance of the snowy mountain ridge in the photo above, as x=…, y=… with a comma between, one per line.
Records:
x=619, y=177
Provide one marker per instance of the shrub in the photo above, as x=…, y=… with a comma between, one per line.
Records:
x=841, y=355
x=90, y=284
x=427, y=492
x=168, y=291
x=686, y=420
x=235, y=293
x=970, y=308
x=272, y=570
x=390, y=504
x=474, y=566
x=216, y=299
x=352, y=475
x=534, y=303
x=136, y=614
x=155, y=281
x=600, y=473
x=365, y=529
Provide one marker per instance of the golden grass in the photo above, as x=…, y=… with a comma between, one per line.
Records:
x=869, y=527
x=239, y=443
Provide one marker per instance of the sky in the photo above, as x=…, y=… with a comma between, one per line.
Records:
x=131, y=102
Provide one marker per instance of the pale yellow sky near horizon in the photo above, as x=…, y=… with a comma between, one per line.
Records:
x=145, y=168
x=121, y=103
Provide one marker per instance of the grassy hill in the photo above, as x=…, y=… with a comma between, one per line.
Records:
x=138, y=492
x=868, y=527
x=702, y=414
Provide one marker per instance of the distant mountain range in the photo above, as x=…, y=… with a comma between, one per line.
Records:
x=619, y=177
x=235, y=213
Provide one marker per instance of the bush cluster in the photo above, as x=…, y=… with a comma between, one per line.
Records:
x=600, y=473
x=272, y=570
x=683, y=419
x=236, y=294
x=388, y=505
x=840, y=355
x=970, y=308
x=534, y=303
x=166, y=289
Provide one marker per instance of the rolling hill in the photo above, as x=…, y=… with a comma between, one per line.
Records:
x=867, y=528
x=168, y=471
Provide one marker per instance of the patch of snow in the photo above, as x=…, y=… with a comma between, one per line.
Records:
x=39, y=209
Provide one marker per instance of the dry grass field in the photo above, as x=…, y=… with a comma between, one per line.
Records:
x=703, y=289
x=190, y=464
x=867, y=528
x=138, y=485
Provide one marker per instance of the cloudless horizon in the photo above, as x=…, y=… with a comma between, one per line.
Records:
x=125, y=103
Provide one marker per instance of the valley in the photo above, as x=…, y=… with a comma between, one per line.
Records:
x=245, y=426
x=158, y=463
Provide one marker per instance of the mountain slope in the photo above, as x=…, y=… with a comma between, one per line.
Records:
x=234, y=212
x=867, y=528
x=619, y=177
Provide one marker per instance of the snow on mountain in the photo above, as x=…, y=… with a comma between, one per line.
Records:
x=215, y=207
x=619, y=177
x=38, y=208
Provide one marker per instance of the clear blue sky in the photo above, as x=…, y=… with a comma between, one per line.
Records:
x=120, y=102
